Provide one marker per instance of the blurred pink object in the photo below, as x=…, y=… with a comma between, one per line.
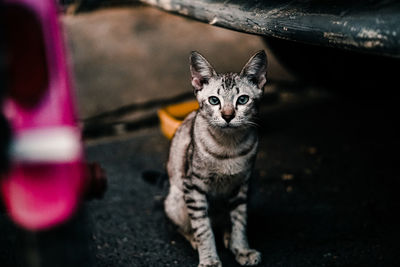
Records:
x=46, y=179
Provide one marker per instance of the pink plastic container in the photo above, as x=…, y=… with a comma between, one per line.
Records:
x=46, y=179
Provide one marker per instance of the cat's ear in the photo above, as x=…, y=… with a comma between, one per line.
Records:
x=200, y=70
x=255, y=69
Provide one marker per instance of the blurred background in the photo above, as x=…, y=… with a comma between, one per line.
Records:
x=129, y=62
x=326, y=180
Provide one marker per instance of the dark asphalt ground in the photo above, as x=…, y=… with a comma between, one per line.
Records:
x=325, y=193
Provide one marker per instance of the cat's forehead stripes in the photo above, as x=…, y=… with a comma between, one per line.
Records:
x=228, y=81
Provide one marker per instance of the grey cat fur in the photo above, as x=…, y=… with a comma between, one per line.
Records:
x=212, y=156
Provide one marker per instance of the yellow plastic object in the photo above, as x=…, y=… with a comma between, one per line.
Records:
x=172, y=116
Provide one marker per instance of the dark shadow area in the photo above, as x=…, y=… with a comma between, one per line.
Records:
x=327, y=191
x=338, y=69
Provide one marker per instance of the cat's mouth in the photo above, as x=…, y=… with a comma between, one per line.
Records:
x=226, y=125
x=229, y=126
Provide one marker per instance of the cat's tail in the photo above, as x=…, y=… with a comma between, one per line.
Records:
x=157, y=178
x=160, y=180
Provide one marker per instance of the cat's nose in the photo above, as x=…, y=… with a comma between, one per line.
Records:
x=228, y=113
x=227, y=118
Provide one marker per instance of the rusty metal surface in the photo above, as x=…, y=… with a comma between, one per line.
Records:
x=367, y=26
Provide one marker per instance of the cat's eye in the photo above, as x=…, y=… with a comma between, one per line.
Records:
x=243, y=99
x=213, y=100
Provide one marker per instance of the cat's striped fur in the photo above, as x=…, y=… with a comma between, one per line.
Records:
x=212, y=155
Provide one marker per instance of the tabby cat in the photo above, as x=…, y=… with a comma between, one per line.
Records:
x=211, y=158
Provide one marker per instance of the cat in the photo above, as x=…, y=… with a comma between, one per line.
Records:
x=212, y=156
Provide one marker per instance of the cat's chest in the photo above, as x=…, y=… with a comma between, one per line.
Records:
x=226, y=161
x=219, y=184
x=223, y=176
x=229, y=167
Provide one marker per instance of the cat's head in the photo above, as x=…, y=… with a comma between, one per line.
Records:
x=229, y=100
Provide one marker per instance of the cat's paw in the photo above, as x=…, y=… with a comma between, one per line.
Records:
x=248, y=257
x=211, y=263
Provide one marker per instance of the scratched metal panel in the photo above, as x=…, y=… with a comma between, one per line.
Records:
x=367, y=26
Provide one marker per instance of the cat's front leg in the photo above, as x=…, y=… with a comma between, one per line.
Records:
x=197, y=207
x=237, y=241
